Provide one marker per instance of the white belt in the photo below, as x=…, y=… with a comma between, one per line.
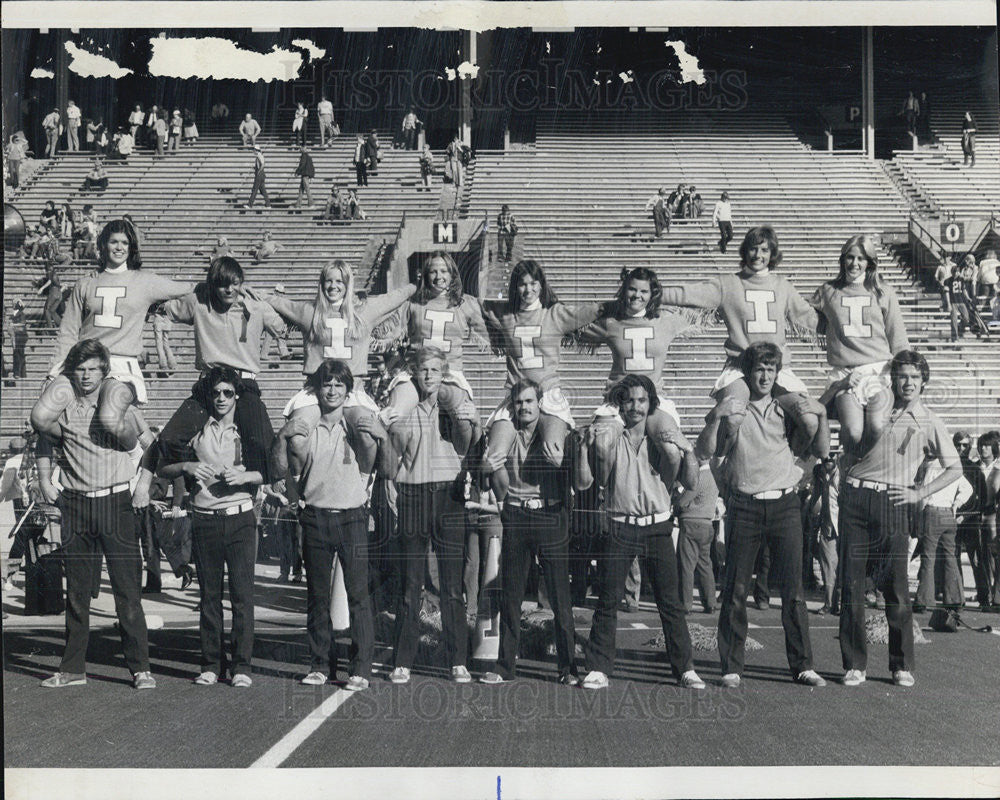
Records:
x=229, y=511
x=875, y=486
x=772, y=494
x=532, y=503
x=241, y=372
x=118, y=487
x=642, y=522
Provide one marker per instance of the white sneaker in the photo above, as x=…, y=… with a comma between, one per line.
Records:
x=731, y=680
x=314, y=679
x=809, y=677
x=206, y=679
x=690, y=680
x=853, y=677
x=903, y=678
x=595, y=680
x=460, y=674
x=356, y=684
x=400, y=675
x=241, y=681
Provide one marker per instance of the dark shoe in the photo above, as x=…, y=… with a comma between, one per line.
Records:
x=152, y=587
x=297, y=577
x=823, y=610
x=629, y=608
x=762, y=603
x=282, y=578
x=186, y=576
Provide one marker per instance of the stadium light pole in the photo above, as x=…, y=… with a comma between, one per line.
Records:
x=868, y=91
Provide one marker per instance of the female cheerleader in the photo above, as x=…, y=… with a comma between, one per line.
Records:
x=440, y=315
x=755, y=304
x=638, y=333
x=864, y=330
x=335, y=325
x=529, y=328
x=110, y=306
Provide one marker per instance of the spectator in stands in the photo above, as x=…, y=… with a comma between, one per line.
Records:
x=97, y=178
x=16, y=324
x=135, y=121
x=299, y=125
x=175, y=130
x=661, y=216
x=988, y=276
x=969, y=139
x=426, y=167
x=85, y=246
x=722, y=215
x=190, y=127
x=324, y=110
x=51, y=251
x=675, y=199
x=161, y=129
x=693, y=206
x=52, y=125
x=122, y=145
x=263, y=249
x=506, y=232
x=361, y=160
x=969, y=273
x=336, y=204
x=162, y=326
x=958, y=298
x=154, y=114
x=49, y=218
x=455, y=168
x=220, y=111
x=249, y=130
x=354, y=209
x=72, y=126
x=17, y=149
x=924, y=117
x=374, y=152
x=220, y=250
x=259, y=178
x=97, y=137
x=32, y=242
x=910, y=111
x=306, y=171
x=941, y=275
x=67, y=221
x=410, y=123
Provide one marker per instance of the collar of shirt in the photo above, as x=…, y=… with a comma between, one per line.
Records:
x=915, y=411
x=772, y=405
x=330, y=425
x=219, y=426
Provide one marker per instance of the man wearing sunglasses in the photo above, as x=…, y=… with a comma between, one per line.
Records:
x=223, y=525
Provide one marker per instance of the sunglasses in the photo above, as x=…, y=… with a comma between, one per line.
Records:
x=227, y=393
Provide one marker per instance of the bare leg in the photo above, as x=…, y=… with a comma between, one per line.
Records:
x=500, y=438
x=730, y=424
x=457, y=404
x=298, y=446
x=45, y=413
x=553, y=431
x=404, y=399
x=852, y=420
x=804, y=412
x=657, y=424
x=113, y=401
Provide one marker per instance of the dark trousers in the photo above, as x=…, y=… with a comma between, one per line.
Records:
x=778, y=523
x=661, y=220
x=361, y=171
x=170, y=536
x=18, y=358
x=258, y=186
x=874, y=540
x=989, y=559
x=937, y=539
x=694, y=557
x=344, y=533
x=527, y=534
x=725, y=234
x=225, y=543
x=410, y=138
x=505, y=246
x=653, y=547
x=480, y=527
x=252, y=422
x=762, y=573
x=92, y=528
x=968, y=539
x=427, y=512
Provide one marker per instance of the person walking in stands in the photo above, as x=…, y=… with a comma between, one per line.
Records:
x=299, y=125
x=97, y=518
x=722, y=216
x=333, y=486
x=161, y=129
x=373, y=152
x=637, y=501
x=52, y=124
x=428, y=465
x=864, y=329
x=190, y=127
x=694, y=509
x=937, y=529
x=756, y=304
x=51, y=286
x=16, y=324
x=228, y=325
x=221, y=481
x=306, y=171
x=361, y=160
x=135, y=121
x=924, y=119
x=249, y=131
x=109, y=306
x=958, y=294
x=911, y=111
x=969, y=139
x=759, y=478
x=506, y=232
x=17, y=150
x=72, y=127
x=535, y=519
x=259, y=179
x=154, y=114
x=410, y=123
x=876, y=505
x=454, y=167
x=324, y=110
x=176, y=129
x=426, y=167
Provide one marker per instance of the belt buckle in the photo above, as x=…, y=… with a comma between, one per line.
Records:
x=533, y=504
